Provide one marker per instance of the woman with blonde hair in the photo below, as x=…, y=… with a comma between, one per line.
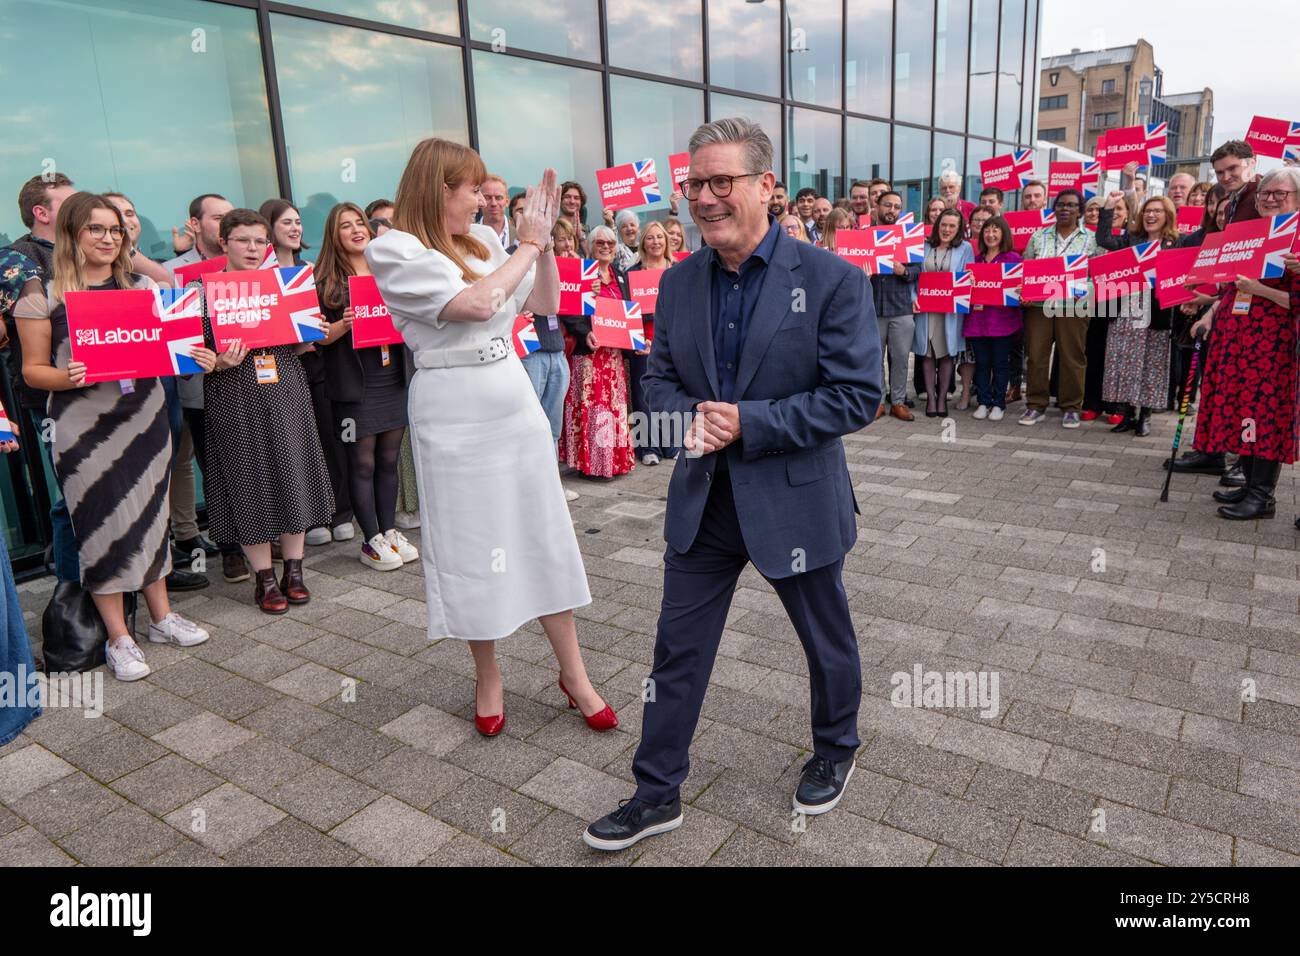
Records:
x=111, y=441
x=499, y=546
x=653, y=446
x=794, y=227
x=676, y=236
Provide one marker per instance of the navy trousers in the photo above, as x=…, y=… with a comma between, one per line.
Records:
x=698, y=587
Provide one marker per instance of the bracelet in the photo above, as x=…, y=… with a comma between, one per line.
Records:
x=541, y=249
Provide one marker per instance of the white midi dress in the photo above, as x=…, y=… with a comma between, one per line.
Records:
x=498, y=542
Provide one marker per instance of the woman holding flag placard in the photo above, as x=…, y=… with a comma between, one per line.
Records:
x=655, y=254
x=368, y=389
x=499, y=547
x=937, y=338
x=111, y=443
x=266, y=475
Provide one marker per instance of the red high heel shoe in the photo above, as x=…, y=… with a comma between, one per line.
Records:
x=488, y=726
x=601, y=721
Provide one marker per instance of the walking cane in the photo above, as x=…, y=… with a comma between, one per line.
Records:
x=1182, y=416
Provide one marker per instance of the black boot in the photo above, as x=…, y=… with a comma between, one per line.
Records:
x=1235, y=477
x=1259, y=501
x=1200, y=462
x=1128, y=424
x=1237, y=494
x=1143, y=427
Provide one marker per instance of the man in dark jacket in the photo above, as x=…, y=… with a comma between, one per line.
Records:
x=892, y=294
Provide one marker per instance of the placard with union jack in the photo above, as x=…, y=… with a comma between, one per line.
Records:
x=1125, y=271
x=1057, y=277
x=628, y=184
x=576, y=277
x=1012, y=170
x=135, y=333
x=996, y=283
x=264, y=307
x=911, y=243
x=1277, y=138
x=524, y=335
x=945, y=292
x=1143, y=145
x=1025, y=222
x=6, y=427
x=617, y=324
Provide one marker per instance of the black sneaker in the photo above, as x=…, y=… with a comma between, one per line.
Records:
x=633, y=820
x=822, y=785
x=185, y=581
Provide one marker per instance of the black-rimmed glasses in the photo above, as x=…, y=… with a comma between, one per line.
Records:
x=720, y=186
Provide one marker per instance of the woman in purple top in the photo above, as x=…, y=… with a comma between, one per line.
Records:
x=990, y=329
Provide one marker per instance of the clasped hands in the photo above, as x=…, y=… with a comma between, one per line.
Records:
x=715, y=426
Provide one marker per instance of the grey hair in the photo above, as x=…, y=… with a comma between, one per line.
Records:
x=601, y=232
x=626, y=215
x=1291, y=173
x=950, y=176
x=736, y=129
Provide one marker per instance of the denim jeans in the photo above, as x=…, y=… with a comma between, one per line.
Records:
x=992, y=368
x=549, y=373
x=67, y=562
x=15, y=656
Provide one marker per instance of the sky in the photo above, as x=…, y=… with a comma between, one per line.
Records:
x=1197, y=44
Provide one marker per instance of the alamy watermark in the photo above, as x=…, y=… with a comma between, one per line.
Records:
x=922, y=688
x=24, y=688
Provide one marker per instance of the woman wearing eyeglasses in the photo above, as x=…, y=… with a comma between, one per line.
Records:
x=111, y=441
x=266, y=474
x=1249, y=395
x=596, y=440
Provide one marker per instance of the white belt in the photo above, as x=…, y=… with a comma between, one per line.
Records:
x=494, y=350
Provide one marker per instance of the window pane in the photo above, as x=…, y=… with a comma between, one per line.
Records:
x=950, y=64
x=555, y=110
x=744, y=46
x=911, y=166
x=664, y=37
x=813, y=47
x=813, y=153
x=977, y=149
x=1027, y=117
x=868, y=149
x=983, y=65
x=107, y=128
x=766, y=115
x=355, y=103
x=949, y=153
x=868, y=57
x=913, y=60
x=559, y=27
x=436, y=16
x=1011, y=70
x=652, y=121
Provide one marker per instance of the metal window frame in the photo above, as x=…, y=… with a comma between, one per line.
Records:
x=264, y=9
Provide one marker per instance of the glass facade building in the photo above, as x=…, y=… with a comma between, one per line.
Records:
x=322, y=100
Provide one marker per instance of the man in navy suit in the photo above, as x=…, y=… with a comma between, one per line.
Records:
x=770, y=348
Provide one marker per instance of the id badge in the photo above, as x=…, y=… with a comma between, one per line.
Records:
x=385, y=357
x=553, y=323
x=266, y=370
x=1241, y=304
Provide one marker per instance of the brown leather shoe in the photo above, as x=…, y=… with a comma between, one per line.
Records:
x=903, y=413
x=883, y=410
x=295, y=591
x=1013, y=394
x=267, y=594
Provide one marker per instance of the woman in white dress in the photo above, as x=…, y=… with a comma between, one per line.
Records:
x=499, y=548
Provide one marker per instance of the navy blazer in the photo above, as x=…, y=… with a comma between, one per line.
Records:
x=810, y=371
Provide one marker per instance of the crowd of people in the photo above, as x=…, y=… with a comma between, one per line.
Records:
x=299, y=444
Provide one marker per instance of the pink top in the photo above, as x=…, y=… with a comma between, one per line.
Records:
x=994, y=320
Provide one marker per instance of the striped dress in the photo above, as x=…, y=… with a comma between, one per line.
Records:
x=112, y=454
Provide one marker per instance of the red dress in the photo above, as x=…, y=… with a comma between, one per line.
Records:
x=596, y=439
x=1249, y=397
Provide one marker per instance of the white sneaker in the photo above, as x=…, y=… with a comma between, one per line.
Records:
x=649, y=458
x=981, y=413
x=995, y=414
x=377, y=553
x=174, y=629
x=406, y=520
x=405, y=550
x=344, y=532
x=127, y=661
x=570, y=495
x=318, y=536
